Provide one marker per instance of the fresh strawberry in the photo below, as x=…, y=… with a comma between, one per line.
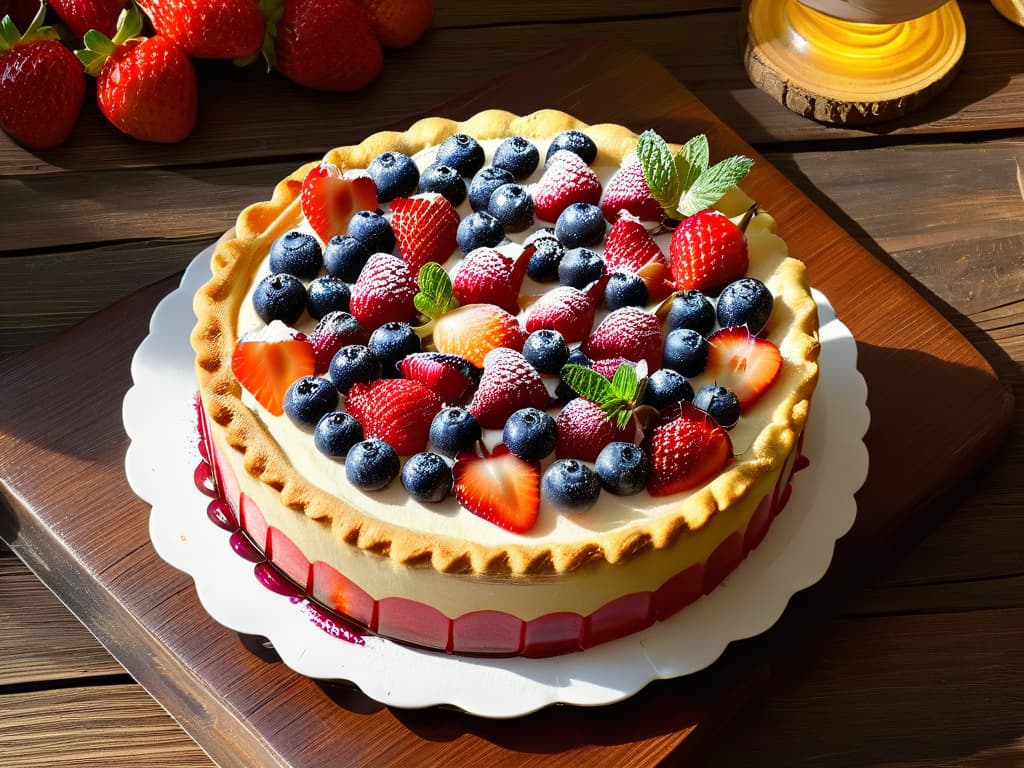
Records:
x=473, y=330
x=146, y=87
x=627, y=190
x=629, y=332
x=508, y=384
x=488, y=276
x=450, y=377
x=209, y=29
x=383, y=292
x=326, y=44
x=566, y=180
x=83, y=15
x=567, y=310
x=41, y=84
x=501, y=488
x=584, y=429
x=707, y=252
x=609, y=365
x=334, y=331
x=330, y=196
x=269, y=361
x=398, y=411
x=629, y=247
x=399, y=23
x=686, y=448
x=425, y=227
x=742, y=362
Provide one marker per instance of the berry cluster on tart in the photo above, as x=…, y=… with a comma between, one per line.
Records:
x=517, y=385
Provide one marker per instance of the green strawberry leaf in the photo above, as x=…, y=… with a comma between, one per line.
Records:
x=659, y=168
x=587, y=383
x=435, y=295
x=714, y=182
x=692, y=160
x=625, y=383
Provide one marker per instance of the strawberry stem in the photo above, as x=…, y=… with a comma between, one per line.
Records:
x=99, y=47
x=745, y=221
x=10, y=36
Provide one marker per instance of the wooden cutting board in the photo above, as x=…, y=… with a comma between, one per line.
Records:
x=72, y=518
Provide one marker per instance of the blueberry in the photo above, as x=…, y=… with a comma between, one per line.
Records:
x=351, y=364
x=338, y=328
x=686, y=352
x=745, y=302
x=571, y=485
x=479, y=230
x=512, y=205
x=444, y=180
x=454, y=430
x=327, y=294
x=390, y=343
x=578, y=357
x=373, y=231
x=625, y=289
x=623, y=468
x=517, y=156
x=574, y=141
x=544, y=261
x=580, y=267
x=544, y=233
x=371, y=464
x=690, y=309
x=394, y=174
x=666, y=387
x=546, y=350
x=483, y=185
x=345, y=257
x=336, y=433
x=279, y=297
x=530, y=434
x=580, y=224
x=427, y=477
x=308, y=399
x=721, y=403
x=296, y=253
x=463, y=153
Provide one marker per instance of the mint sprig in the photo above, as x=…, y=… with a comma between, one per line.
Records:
x=434, y=298
x=617, y=398
x=686, y=184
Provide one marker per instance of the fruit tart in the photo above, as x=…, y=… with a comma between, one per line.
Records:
x=517, y=385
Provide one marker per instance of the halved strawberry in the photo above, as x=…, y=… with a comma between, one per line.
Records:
x=629, y=247
x=707, y=252
x=473, y=330
x=425, y=227
x=384, y=292
x=629, y=332
x=584, y=429
x=334, y=331
x=501, y=488
x=567, y=180
x=269, y=361
x=567, y=310
x=489, y=276
x=628, y=191
x=398, y=411
x=450, y=377
x=509, y=383
x=686, y=448
x=330, y=196
x=742, y=362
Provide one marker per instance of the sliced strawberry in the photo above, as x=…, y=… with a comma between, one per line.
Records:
x=628, y=191
x=629, y=332
x=658, y=279
x=425, y=227
x=707, y=252
x=567, y=180
x=584, y=430
x=509, y=383
x=687, y=448
x=742, y=362
x=629, y=246
x=450, y=377
x=567, y=310
x=398, y=411
x=269, y=361
x=334, y=331
x=501, y=488
x=473, y=330
x=384, y=292
x=488, y=276
x=329, y=197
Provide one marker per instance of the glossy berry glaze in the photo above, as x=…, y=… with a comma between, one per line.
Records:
x=333, y=602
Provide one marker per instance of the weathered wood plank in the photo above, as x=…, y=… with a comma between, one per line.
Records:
x=455, y=14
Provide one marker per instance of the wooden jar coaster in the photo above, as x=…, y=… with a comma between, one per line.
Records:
x=846, y=72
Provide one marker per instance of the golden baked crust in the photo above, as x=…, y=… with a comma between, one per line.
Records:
x=234, y=266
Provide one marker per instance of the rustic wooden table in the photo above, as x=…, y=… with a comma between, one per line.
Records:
x=920, y=664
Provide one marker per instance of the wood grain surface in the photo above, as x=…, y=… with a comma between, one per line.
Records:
x=919, y=665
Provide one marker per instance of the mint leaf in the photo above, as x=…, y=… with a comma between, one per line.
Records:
x=692, y=161
x=620, y=413
x=625, y=383
x=659, y=168
x=435, y=295
x=587, y=383
x=713, y=183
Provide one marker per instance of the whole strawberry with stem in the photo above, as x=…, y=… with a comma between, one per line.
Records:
x=83, y=15
x=41, y=84
x=209, y=29
x=146, y=87
x=399, y=23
